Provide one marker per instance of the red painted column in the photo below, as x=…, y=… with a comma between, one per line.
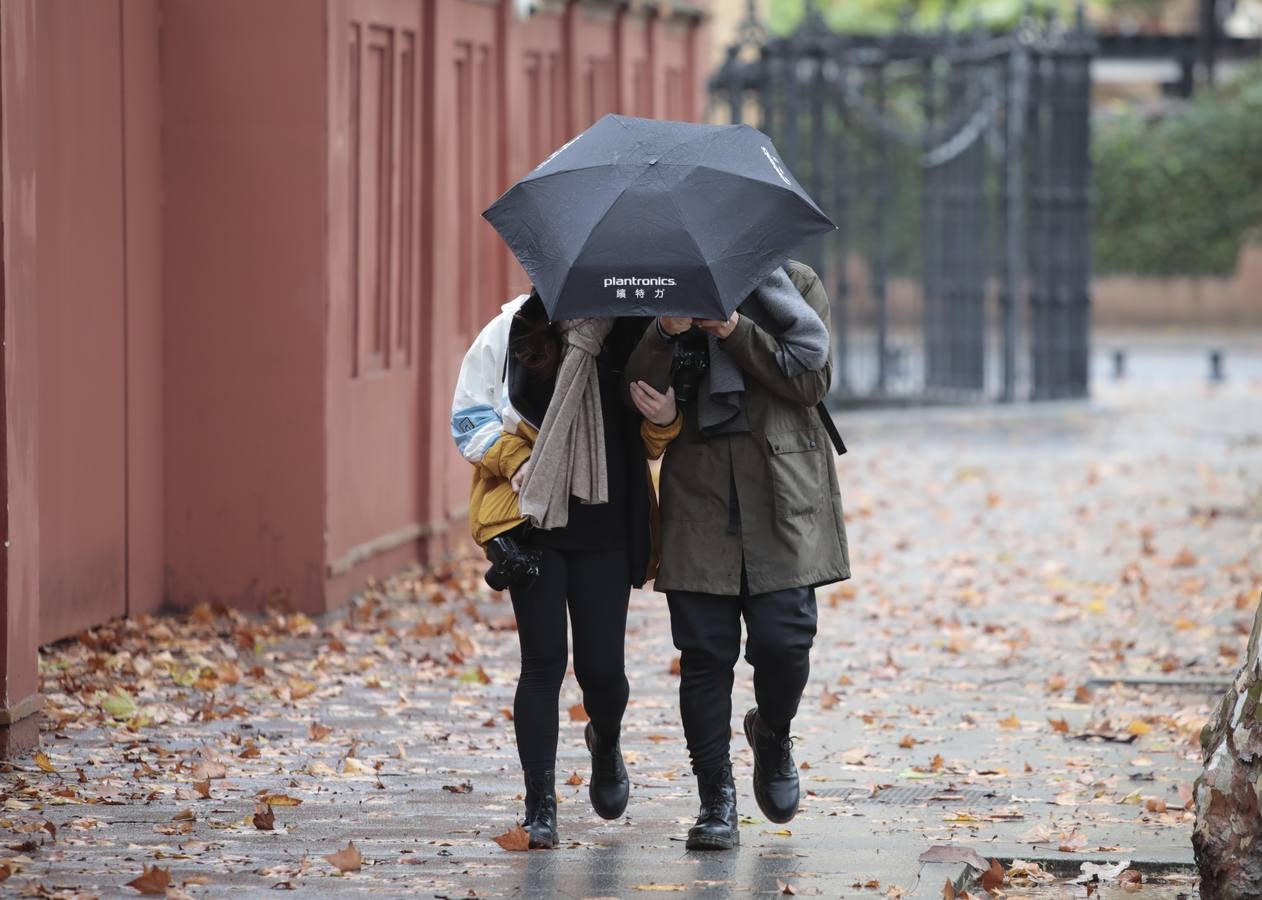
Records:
x=19, y=517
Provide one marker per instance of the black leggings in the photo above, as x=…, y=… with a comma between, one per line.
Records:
x=596, y=584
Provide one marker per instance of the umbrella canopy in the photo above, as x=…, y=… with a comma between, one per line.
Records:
x=639, y=217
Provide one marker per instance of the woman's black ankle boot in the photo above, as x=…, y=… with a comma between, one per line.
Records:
x=610, y=787
x=717, y=826
x=541, y=810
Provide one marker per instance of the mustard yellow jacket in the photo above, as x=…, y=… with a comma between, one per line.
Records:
x=495, y=437
x=493, y=504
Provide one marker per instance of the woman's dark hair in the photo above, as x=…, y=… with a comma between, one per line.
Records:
x=536, y=346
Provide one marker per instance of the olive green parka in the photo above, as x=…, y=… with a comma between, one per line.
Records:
x=767, y=499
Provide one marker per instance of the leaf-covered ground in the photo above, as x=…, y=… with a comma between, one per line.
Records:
x=1009, y=564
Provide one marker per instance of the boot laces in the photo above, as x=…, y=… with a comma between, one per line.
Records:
x=538, y=813
x=785, y=762
x=712, y=799
x=607, y=755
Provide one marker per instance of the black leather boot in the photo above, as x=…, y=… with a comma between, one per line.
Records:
x=776, y=786
x=717, y=826
x=541, y=810
x=609, y=787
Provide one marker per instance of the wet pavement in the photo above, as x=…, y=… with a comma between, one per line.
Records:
x=1010, y=564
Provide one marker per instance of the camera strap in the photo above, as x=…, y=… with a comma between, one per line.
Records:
x=831, y=427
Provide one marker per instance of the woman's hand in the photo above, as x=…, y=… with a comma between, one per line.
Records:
x=519, y=476
x=719, y=329
x=674, y=325
x=658, y=408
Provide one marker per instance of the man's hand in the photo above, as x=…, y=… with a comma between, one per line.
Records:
x=674, y=325
x=656, y=407
x=719, y=329
x=519, y=476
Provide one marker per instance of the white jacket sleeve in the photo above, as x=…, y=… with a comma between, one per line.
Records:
x=480, y=411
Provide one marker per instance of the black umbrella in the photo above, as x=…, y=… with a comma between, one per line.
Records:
x=646, y=217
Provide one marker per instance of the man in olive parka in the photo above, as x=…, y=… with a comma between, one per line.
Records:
x=751, y=525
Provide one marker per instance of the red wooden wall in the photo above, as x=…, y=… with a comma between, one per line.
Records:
x=377, y=232
x=242, y=257
x=99, y=262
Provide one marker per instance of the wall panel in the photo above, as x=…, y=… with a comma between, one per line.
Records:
x=595, y=65
x=142, y=209
x=245, y=285
x=677, y=87
x=469, y=271
x=81, y=273
x=375, y=281
x=19, y=386
x=635, y=63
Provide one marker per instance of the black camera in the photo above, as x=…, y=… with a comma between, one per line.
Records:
x=511, y=565
x=688, y=368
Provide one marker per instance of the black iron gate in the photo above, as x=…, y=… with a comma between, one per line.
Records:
x=956, y=168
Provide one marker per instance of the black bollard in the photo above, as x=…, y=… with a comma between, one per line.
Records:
x=1119, y=365
x=1216, y=375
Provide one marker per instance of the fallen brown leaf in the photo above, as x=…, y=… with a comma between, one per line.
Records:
x=207, y=769
x=515, y=839
x=300, y=689
x=280, y=800
x=1072, y=841
x=992, y=878
x=264, y=819
x=152, y=881
x=1185, y=559
x=1039, y=834
x=578, y=713
x=347, y=859
x=950, y=853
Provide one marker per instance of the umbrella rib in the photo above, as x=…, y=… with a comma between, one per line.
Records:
x=569, y=268
x=601, y=165
x=700, y=253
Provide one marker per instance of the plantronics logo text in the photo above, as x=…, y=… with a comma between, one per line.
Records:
x=639, y=281
x=776, y=165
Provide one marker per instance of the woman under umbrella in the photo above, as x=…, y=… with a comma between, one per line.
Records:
x=563, y=502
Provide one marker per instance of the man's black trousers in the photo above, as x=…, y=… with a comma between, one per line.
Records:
x=707, y=632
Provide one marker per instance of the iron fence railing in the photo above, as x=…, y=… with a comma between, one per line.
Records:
x=956, y=167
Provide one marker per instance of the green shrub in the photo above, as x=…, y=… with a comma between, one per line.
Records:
x=1178, y=194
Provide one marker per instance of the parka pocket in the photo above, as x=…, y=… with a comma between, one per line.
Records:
x=799, y=481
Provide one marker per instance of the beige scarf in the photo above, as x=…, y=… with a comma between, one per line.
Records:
x=569, y=454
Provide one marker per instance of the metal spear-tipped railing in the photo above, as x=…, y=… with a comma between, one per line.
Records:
x=955, y=165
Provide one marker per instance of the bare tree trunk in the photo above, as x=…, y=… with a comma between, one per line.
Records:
x=1228, y=834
